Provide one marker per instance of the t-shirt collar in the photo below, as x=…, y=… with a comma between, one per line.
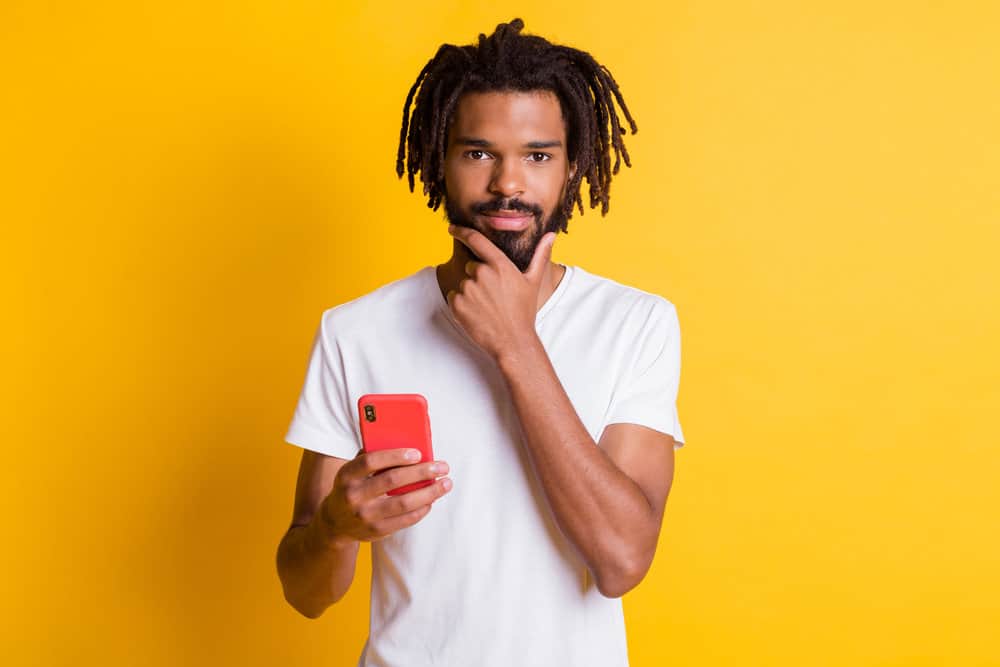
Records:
x=430, y=279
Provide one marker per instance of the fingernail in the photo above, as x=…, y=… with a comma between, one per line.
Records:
x=446, y=483
x=412, y=455
x=439, y=467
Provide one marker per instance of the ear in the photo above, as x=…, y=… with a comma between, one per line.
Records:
x=572, y=170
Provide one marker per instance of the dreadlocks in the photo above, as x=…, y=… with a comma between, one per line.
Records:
x=508, y=60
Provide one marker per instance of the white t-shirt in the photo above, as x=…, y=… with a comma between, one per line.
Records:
x=487, y=578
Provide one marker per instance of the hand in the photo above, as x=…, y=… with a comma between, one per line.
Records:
x=497, y=304
x=357, y=507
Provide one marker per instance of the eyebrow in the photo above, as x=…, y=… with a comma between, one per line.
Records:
x=483, y=143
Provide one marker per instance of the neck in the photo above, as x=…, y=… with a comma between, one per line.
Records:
x=452, y=272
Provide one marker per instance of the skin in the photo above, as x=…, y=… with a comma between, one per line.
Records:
x=608, y=498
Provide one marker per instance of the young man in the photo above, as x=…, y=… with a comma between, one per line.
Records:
x=551, y=391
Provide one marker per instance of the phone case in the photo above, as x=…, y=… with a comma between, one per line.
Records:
x=389, y=421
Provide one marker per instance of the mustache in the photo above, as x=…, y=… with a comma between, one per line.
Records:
x=500, y=204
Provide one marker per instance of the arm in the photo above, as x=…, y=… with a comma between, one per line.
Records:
x=340, y=503
x=315, y=569
x=609, y=499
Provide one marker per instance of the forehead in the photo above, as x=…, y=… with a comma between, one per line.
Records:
x=516, y=116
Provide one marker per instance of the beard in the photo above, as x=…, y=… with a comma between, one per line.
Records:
x=518, y=246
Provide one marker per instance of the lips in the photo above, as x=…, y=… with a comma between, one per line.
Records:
x=508, y=220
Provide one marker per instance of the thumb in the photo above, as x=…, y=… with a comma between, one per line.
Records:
x=543, y=253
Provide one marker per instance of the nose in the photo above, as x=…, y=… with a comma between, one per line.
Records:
x=508, y=179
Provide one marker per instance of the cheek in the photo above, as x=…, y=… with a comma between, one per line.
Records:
x=550, y=186
x=463, y=182
x=450, y=182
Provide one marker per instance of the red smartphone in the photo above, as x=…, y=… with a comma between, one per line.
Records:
x=389, y=421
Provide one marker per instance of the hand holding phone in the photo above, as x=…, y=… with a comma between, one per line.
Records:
x=392, y=483
x=358, y=507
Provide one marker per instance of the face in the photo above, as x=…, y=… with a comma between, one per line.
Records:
x=506, y=169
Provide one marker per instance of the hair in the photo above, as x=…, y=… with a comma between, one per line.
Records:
x=510, y=61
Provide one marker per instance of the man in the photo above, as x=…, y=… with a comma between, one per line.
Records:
x=551, y=391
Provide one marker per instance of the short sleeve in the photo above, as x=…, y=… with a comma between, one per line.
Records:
x=322, y=421
x=646, y=393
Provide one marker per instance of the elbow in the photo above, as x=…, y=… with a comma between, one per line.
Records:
x=295, y=601
x=298, y=598
x=305, y=610
x=307, y=602
x=312, y=615
x=616, y=586
x=618, y=578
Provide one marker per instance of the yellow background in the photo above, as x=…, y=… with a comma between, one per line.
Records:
x=187, y=186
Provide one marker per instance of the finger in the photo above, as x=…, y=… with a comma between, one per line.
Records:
x=370, y=463
x=485, y=249
x=543, y=253
x=387, y=480
x=470, y=268
x=387, y=527
x=390, y=506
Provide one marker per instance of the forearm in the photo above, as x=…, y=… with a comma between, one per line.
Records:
x=600, y=509
x=315, y=570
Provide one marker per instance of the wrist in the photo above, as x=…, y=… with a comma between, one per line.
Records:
x=523, y=353
x=326, y=532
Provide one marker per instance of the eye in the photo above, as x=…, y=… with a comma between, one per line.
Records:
x=476, y=154
x=540, y=157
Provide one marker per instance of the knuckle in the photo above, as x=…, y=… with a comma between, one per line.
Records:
x=352, y=495
x=367, y=517
x=393, y=478
x=383, y=483
x=345, y=474
x=404, y=503
x=369, y=464
x=356, y=468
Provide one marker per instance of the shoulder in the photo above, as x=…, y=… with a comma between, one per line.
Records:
x=381, y=306
x=616, y=300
